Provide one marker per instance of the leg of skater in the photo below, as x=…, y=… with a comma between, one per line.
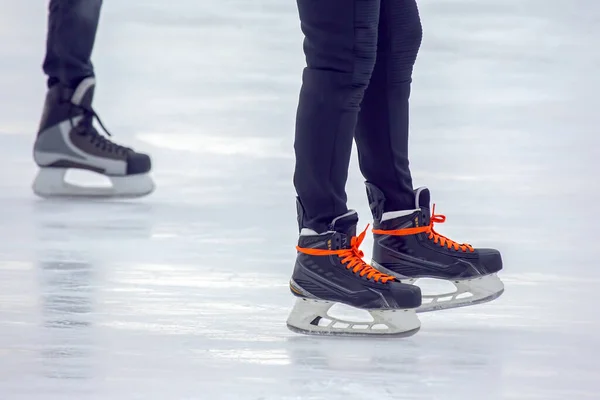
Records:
x=405, y=245
x=72, y=27
x=340, y=48
x=382, y=128
x=66, y=137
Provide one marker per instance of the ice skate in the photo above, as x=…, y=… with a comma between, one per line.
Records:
x=407, y=247
x=67, y=140
x=330, y=270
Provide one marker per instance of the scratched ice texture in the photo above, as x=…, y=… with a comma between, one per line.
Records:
x=183, y=295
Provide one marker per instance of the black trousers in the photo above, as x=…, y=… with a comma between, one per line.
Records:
x=72, y=26
x=356, y=85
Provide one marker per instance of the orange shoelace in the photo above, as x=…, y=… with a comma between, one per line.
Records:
x=432, y=234
x=352, y=258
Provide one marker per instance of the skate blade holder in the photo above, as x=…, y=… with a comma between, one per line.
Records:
x=440, y=294
x=52, y=182
x=319, y=317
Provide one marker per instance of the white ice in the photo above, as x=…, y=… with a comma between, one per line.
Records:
x=184, y=295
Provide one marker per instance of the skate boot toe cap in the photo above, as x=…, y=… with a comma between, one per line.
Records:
x=490, y=259
x=405, y=295
x=138, y=163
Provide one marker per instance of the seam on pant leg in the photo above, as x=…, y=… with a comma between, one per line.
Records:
x=388, y=67
x=337, y=133
x=392, y=27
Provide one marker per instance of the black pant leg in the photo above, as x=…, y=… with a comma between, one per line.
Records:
x=72, y=26
x=340, y=48
x=383, y=123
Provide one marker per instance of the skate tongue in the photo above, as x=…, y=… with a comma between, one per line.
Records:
x=422, y=201
x=345, y=224
x=83, y=94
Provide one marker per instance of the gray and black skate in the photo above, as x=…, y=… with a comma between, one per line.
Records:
x=330, y=269
x=67, y=140
x=407, y=247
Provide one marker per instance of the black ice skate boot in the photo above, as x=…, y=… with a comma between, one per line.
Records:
x=67, y=139
x=330, y=269
x=407, y=247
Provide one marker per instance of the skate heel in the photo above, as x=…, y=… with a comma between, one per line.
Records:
x=50, y=182
x=311, y=316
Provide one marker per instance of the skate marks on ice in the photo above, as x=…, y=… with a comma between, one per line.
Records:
x=47, y=327
x=168, y=312
x=99, y=328
x=166, y=308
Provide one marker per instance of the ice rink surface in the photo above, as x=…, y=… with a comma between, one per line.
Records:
x=183, y=295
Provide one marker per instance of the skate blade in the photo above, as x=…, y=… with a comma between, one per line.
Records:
x=50, y=183
x=311, y=317
x=469, y=292
x=353, y=334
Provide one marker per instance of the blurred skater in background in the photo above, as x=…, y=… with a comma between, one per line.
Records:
x=356, y=85
x=67, y=137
